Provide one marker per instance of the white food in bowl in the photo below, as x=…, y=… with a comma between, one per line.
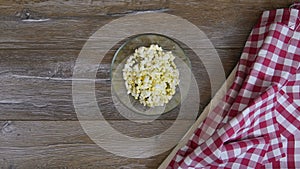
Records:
x=151, y=75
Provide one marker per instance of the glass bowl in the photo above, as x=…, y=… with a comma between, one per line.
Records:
x=182, y=62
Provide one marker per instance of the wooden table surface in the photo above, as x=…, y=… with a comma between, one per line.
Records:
x=38, y=124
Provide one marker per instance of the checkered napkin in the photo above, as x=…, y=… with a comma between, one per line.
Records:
x=257, y=124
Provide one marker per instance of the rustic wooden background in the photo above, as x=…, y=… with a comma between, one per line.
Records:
x=38, y=125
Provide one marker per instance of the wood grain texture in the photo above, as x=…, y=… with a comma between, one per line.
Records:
x=39, y=43
x=47, y=144
x=43, y=133
x=48, y=77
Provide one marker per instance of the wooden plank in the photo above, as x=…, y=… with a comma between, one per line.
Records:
x=46, y=63
x=84, y=8
x=27, y=98
x=70, y=30
x=60, y=63
x=71, y=156
x=72, y=33
x=52, y=144
x=88, y=8
x=42, y=99
x=43, y=133
x=38, y=86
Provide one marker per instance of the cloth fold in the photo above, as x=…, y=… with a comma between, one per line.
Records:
x=257, y=124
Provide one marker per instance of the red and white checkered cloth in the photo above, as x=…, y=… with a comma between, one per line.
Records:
x=257, y=124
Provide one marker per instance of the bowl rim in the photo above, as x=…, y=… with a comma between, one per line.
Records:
x=126, y=42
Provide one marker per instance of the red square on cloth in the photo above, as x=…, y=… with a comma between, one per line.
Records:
x=257, y=124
